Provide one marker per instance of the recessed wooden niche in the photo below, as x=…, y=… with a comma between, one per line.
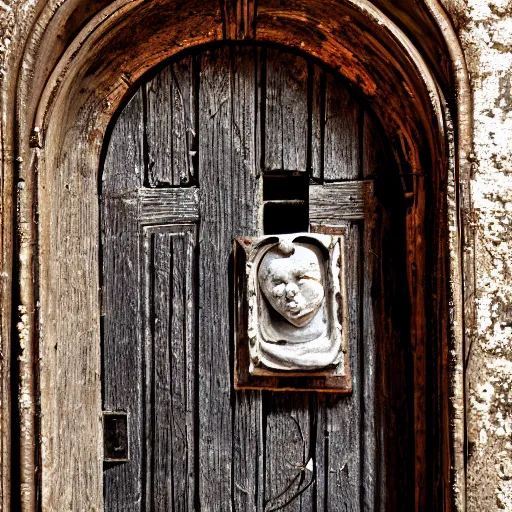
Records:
x=291, y=313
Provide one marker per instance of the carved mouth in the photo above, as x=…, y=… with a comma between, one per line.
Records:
x=293, y=307
x=298, y=312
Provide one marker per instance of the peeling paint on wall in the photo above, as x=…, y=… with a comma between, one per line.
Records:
x=485, y=29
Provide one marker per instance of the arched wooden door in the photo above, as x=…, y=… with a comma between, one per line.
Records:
x=238, y=141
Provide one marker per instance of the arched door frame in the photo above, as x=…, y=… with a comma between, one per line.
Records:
x=71, y=82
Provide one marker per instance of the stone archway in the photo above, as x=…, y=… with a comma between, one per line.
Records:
x=61, y=125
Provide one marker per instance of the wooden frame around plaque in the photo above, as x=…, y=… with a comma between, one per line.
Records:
x=291, y=314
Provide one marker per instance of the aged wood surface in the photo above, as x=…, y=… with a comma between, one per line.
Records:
x=215, y=414
x=247, y=448
x=317, y=94
x=156, y=383
x=166, y=205
x=297, y=451
x=342, y=128
x=372, y=478
x=333, y=203
x=239, y=18
x=225, y=145
x=170, y=368
x=286, y=112
x=289, y=448
x=171, y=89
x=123, y=356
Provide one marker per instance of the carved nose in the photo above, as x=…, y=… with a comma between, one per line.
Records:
x=291, y=290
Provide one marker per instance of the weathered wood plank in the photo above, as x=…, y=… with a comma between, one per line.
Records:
x=341, y=139
x=288, y=432
x=338, y=202
x=218, y=213
x=170, y=125
x=372, y=155
x=247, y=424
x=248, y=452
x=317, y=85
x=122, y=340
x=70, y=388
x=124, y=164
x=177, y=205
x=171, y=368
x=288, y=484
x=339, y=417
x=286, y=112
x=122, y=346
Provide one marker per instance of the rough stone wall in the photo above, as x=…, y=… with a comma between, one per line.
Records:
x=485, y=30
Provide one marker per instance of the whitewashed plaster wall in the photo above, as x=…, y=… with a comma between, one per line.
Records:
x=485, y=30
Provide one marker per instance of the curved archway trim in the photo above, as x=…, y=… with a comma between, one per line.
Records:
x=68, y=91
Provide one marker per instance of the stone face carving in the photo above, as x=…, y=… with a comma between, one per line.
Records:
x=293, y=288
x=290, y=277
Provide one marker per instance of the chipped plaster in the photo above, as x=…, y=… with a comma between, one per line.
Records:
x=485, y=30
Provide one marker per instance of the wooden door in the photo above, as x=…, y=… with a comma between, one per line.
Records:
x=242, y=141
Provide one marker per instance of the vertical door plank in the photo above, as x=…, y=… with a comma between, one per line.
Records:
x=247, y=452
x=286, y=112
x=170, y=429
x=247, y=432
x=288, y=429
x=371, y=156
x=229, y=208
x=170, y=125
x=159, y=437
x=317, y=81
x=341, y=140
x=288, y=483
x=216, y=231
x=122, y=356
x=159, y=130
x=339, y=417
x=124, y=163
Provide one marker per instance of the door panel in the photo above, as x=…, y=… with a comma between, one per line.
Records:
x=170, y=117
x=286, y=111
x=185, y=171
x=169, y=264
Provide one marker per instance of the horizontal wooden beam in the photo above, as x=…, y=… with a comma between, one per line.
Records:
x=338, y=202
x=172, y=205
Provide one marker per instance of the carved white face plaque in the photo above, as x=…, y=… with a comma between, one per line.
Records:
x=290, y=277
x=290, y=309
